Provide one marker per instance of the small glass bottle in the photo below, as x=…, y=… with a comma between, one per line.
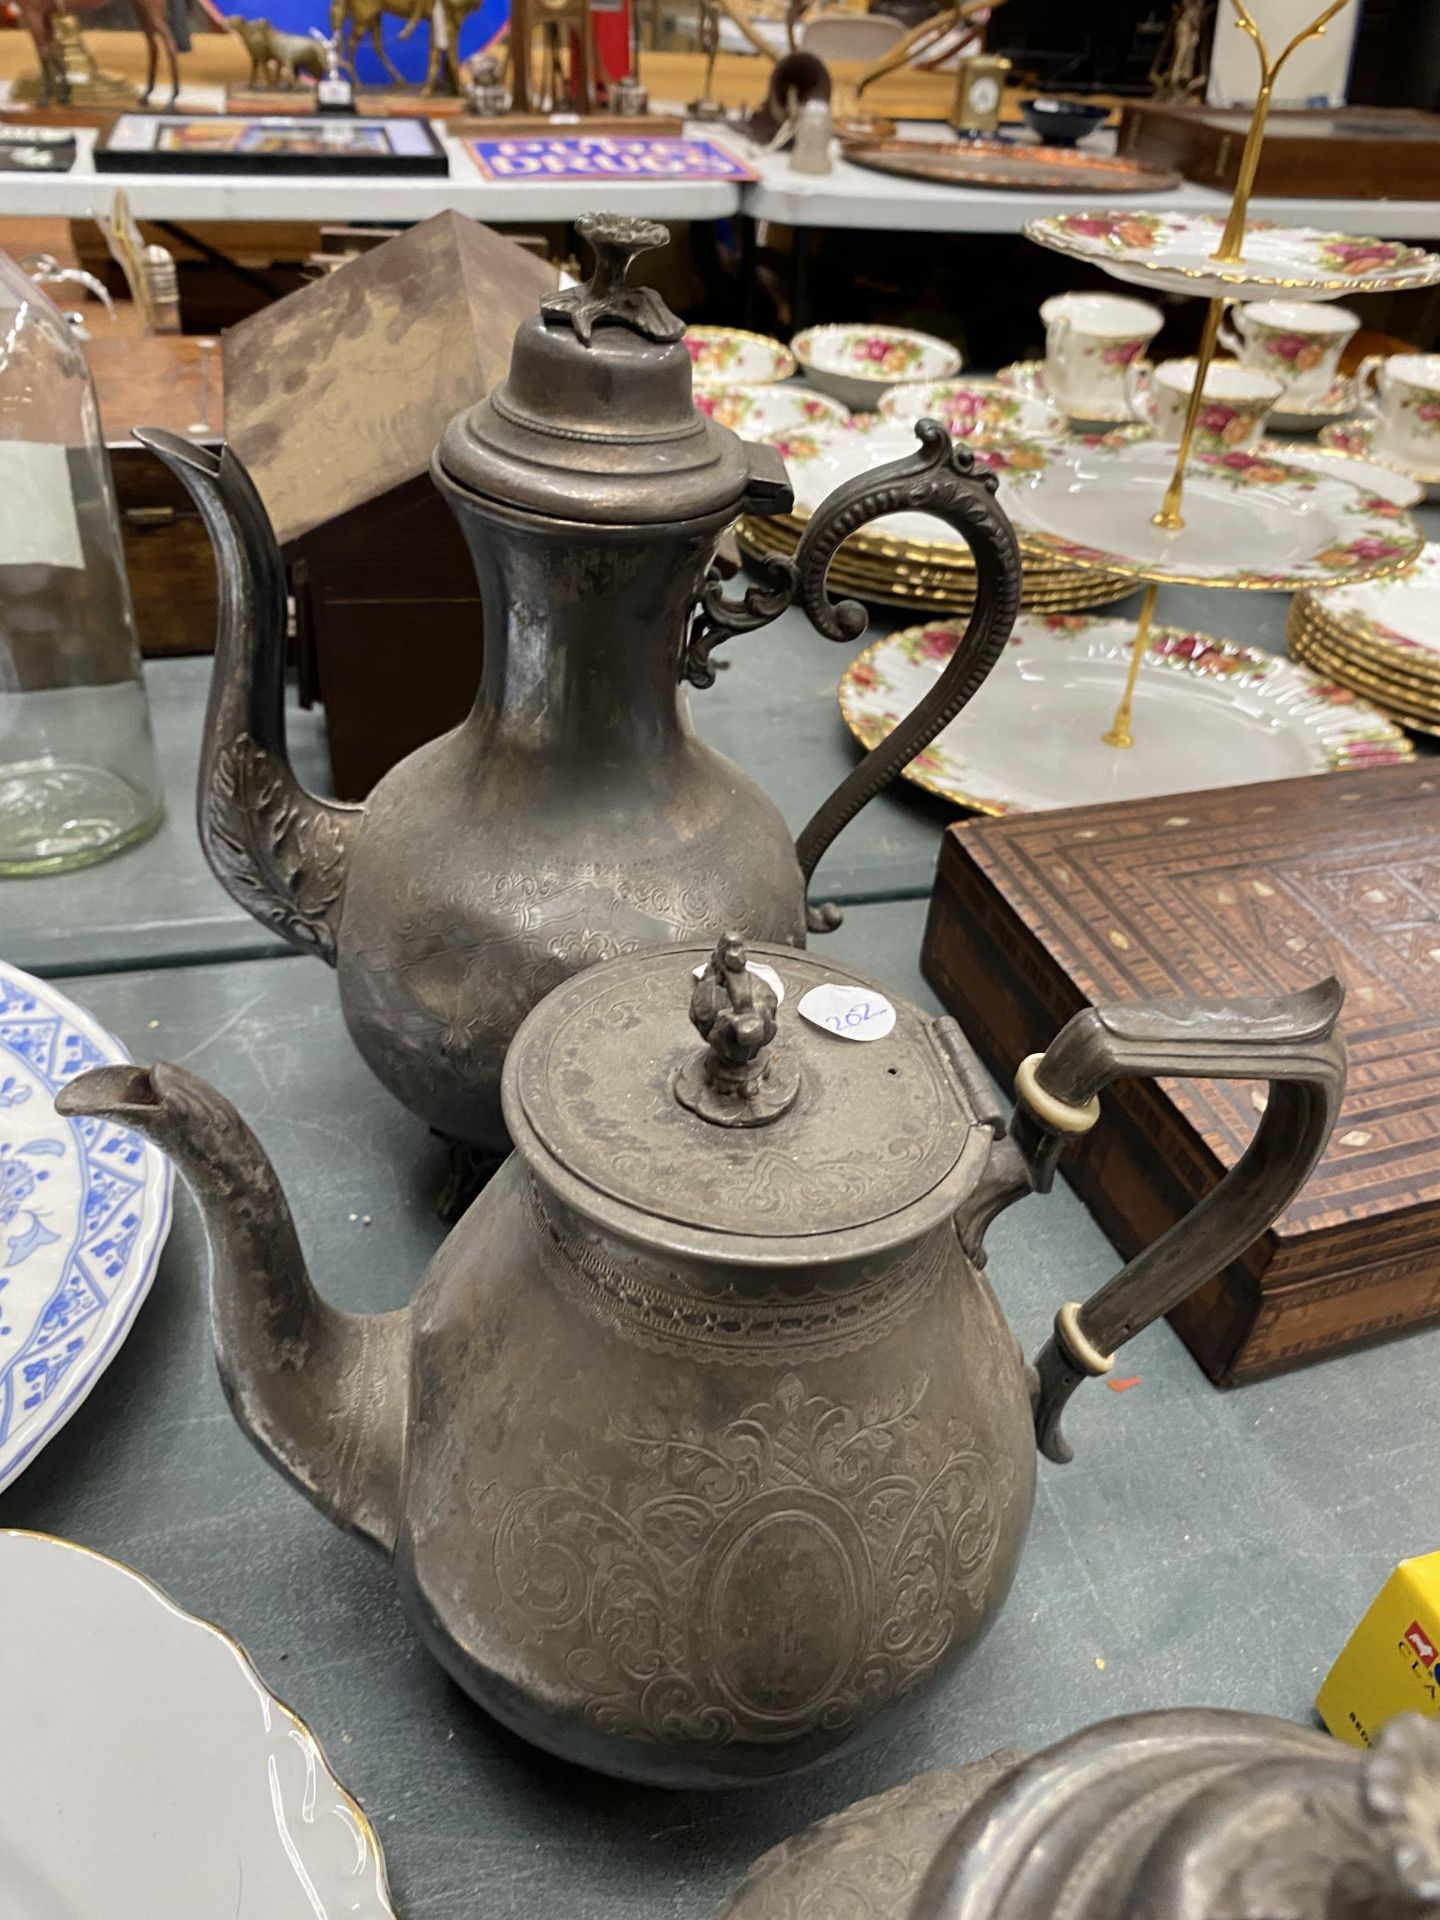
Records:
x=78, y=777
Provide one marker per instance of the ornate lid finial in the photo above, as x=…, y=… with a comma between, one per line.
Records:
x=615, y=239
x=1402, y=1794
x=735, y=1082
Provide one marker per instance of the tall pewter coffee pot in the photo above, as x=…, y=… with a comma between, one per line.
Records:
x=704, y=1449
x=574, y=815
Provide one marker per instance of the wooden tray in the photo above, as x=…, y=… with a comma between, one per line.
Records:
x=527, y=126
x=1349, y=153
x=1008, y=165
x=1250, y=890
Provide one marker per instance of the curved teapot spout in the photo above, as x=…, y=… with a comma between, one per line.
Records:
x=276, y=849
x=321, y=1393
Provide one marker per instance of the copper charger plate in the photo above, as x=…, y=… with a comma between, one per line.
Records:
x=999, y=163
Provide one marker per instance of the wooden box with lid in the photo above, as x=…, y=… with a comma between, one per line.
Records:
x=1248, y=890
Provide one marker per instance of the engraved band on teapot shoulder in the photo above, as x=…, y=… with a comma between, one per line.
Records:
x=655, y=1305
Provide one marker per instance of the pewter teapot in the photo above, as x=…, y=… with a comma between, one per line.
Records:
x=704, y=1447
x=1191, y=1814
x=574, y=815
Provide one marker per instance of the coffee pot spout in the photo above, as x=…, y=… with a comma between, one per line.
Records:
x=321, y=1393
x=276, y=849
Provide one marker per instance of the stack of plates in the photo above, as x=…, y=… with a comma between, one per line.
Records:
x=1380, y=639
x=910, y=559
x=938, y=574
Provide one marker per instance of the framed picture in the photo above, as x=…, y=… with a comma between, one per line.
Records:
x=600, y=157
x=236, y=143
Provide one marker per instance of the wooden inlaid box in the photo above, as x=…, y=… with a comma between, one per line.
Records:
x=1248, y=890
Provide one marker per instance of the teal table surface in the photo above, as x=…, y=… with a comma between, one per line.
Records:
x=1204, y=1548
x=773, y=709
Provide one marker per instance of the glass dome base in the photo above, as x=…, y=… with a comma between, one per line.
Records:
x=56, y=815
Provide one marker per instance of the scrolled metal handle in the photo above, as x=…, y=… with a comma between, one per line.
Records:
x=1291, y=1041
x=939, y=479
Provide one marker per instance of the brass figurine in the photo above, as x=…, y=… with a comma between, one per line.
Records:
x=276, y=59
x=42, y=20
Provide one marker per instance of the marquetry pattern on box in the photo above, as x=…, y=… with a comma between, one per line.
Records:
x=1255, y=890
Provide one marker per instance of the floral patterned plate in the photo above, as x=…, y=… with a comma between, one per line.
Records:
x=769, y=412
x=1207, y=713
x=1028, y=377
x=857, y=364
x=976, y=409
x=1337, y=401
x=818, y=458
x=728, y=357
x=1357, y=437
x=1250, y=520
x=148, y=1771
x=84, y=1211
x=1398, y=615
x=1373, y=475
x=1174, y=253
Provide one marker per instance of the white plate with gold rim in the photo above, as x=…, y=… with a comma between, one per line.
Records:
x=771, y=412
x=1028, y=377
x=148, y=1773
x=1175, y=253
x=975, y=409
x=1338, y=400
x=1357, y=437
x=1207, y=713
x=1382, y=482
x=820, y=457
x=1249, y=520
x=731, y=357
x=1401, y=613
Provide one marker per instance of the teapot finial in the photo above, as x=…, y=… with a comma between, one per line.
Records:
x=615, y=239
x=736, y=1082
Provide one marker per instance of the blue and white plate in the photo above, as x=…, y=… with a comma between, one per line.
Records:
x=84, y=1211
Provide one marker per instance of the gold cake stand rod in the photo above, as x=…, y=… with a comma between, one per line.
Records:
x=1119, y=734
x=1232, y=240
x=1229, y=253
x=1170, y=516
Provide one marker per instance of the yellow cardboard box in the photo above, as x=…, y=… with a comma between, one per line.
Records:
x=1391, y=1663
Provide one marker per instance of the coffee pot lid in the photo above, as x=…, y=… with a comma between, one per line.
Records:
x=775, y=1124
x=597, y=421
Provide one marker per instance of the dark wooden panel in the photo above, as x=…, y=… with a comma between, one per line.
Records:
x=1350, y=153
x=388, y=632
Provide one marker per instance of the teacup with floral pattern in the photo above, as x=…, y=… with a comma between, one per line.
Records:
x=1403, y=392
x=1298, y=341
x=1234, y=406
x=859, y=364
x=1091, y=342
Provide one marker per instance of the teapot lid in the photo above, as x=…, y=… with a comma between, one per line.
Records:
x=768, y=1126
x=597, y=421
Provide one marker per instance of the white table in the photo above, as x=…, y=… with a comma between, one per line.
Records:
x=856, y=198
x=850, y=197
x=374, y=198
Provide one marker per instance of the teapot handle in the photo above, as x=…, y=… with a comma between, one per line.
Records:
x=1291, y=1041
x=938, y=479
